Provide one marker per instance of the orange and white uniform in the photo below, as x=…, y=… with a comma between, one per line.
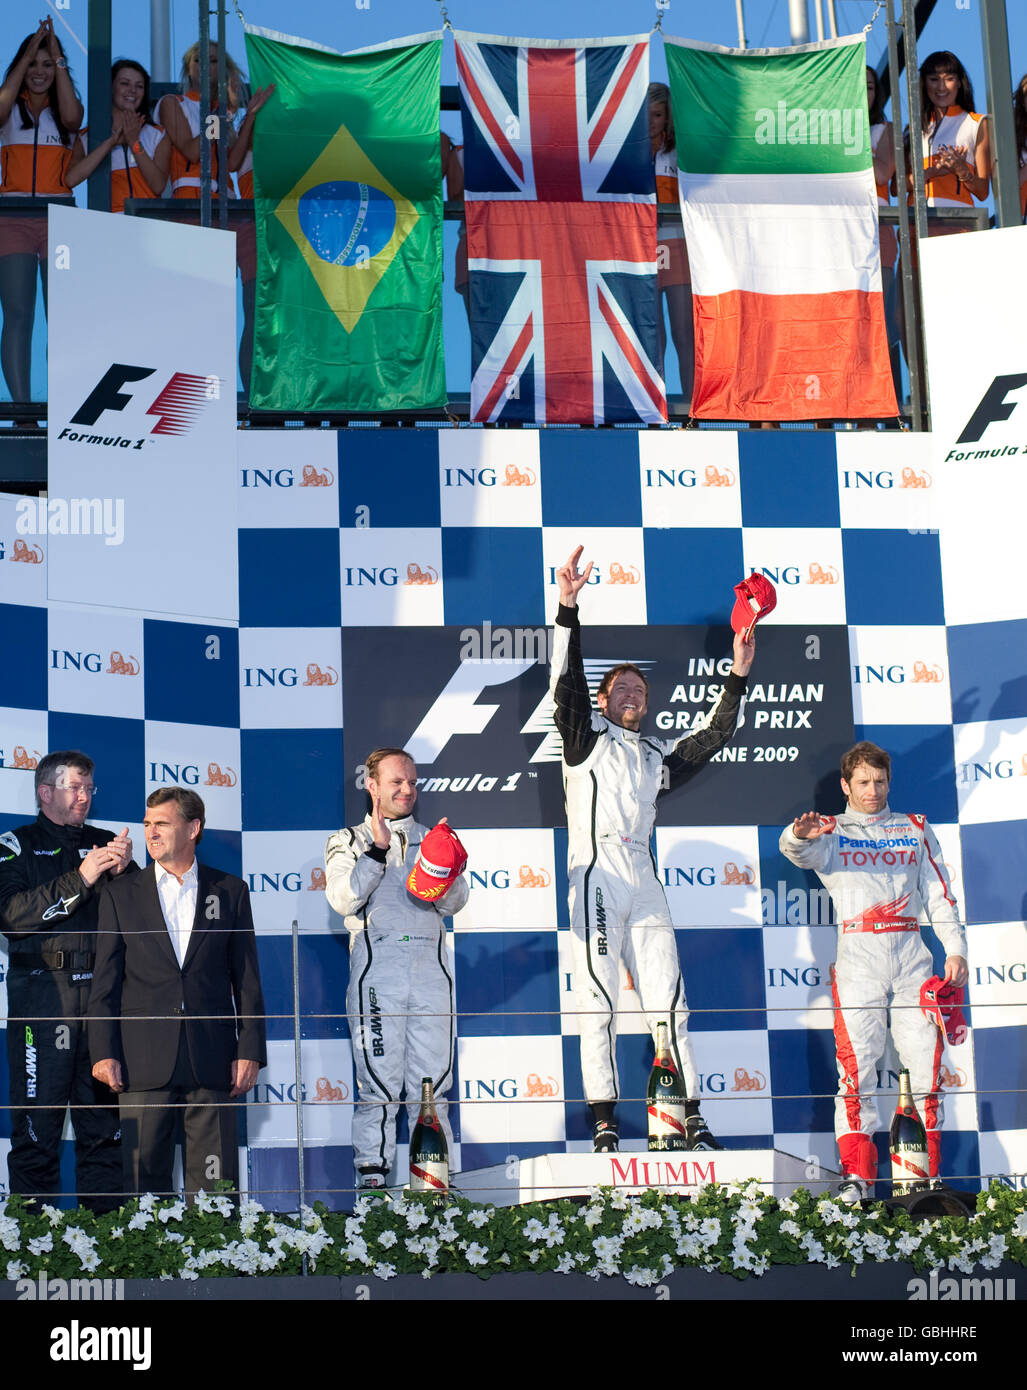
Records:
x=671, y=234
x=127, y=180
x=185, y=177
x=33, y=161
x=957, y=127
x=889, y=241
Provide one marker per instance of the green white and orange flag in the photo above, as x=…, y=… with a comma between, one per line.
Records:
x=779, y=207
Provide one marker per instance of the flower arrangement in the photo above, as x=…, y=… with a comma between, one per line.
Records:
x=735, y=1230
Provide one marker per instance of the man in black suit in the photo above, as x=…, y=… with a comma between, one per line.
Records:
x=176, y=1012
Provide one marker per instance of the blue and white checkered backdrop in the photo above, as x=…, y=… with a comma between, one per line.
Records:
x=370, y=562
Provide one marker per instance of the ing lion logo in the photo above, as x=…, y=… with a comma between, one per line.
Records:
x=922, y=672
x=30, y=554
x=1023, y=764
x=531, y=879
x=948, y=1079
x=315, y=676
x=537, y=1088
x=733, y=874
x=217, y=778
x=122, y=665
x=326, y=1092
x=911, y=478
x=312, y=478
x=417, y=575
x=715, y=478
x=318, y=883
x=745, y=1082
x=623, y=574
x=23, y=760
x=518, y=477
x=821, y=574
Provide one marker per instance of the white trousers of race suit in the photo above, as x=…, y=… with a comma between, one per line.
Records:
x=619, y=912
x=399, y=1003
x=877, y=973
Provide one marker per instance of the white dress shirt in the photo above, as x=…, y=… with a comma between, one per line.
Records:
x=178, y=904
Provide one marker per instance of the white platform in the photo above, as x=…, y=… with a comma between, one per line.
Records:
x=549, y=1176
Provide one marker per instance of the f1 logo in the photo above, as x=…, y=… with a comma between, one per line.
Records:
x=993, y=407
x=107, y=395
x=456, y=710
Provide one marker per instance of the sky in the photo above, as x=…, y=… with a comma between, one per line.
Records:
x=348, y=24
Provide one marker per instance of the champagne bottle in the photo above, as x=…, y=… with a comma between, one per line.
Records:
x=907, y=1142
x=666, y=1098
x=429, y=1153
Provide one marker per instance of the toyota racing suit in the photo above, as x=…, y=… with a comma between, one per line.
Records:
x=884, y=873
x=618, y=910
x=48, y=914
x=400, y=996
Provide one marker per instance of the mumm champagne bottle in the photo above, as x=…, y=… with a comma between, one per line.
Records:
x=429, y=1154
x=908, y=1144
x=666, y=1098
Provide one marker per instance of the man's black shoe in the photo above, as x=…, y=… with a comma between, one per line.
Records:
x=605, y=1138
x=698, y=1134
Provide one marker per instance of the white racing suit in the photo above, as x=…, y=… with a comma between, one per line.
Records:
x=884, y=873
x=618, y=910
x=400, y=996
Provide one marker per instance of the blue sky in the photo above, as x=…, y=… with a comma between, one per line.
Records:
x=346, y=24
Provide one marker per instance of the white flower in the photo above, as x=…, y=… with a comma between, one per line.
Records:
x=829, y=1211
x=41, y=1245
x=147, y=1202
x=414, y=1215
x=357, y=1250
x=832, y=1261
x=118, y=1233
x=477, y=1254
x=384, y=1271
x=174, y=1212
x=478, y=1217
x=593, y=1216
x=10, y=1233
x=907, y=1243
x=1020, y=1225
x=414, y=1244
x=140, y=1221
x=504, y=1258
x=431, y=1249
x=996, y=1251
x=202, y=1202
x=175, y=1237
x=788, y=1206
x=607, y=1247
x=790, y=1228
x=565, y=1264
x=534, y=1230
x=534, y=1256
x=991, y=1204
x=644, y=1277
x=387, y=1239
x=15, y=1269
x=554, y=1231
x=688, y=1247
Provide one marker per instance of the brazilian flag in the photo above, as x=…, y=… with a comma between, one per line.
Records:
x=348, y=198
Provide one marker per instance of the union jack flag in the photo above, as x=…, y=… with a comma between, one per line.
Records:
x=561, y=231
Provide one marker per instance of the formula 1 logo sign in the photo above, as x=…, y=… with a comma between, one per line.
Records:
x=176, y=407
x=482, y=733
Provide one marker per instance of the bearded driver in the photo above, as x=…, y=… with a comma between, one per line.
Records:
x=400, y=997
x=612, y=776
x=883, y=871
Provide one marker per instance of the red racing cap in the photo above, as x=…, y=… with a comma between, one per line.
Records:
x=440, y=862
x=755, y=597
x=943, y=1005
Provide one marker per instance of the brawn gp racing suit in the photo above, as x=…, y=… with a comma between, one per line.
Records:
x=618, y=910
x=48, y=914
x=884, y=873
x=399, y=1001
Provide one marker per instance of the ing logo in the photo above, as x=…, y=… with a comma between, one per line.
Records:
x=951, y=1079
x=22, y=758
x=122, y=665
x=927, y=674
x=318, y=883
x=417, y=575
x=624, y=574
x=315, y=676
x=745, y=1082
x=216, y=777
x=325, y=1092
x=518, y=477
x=537, y=1089
x=718, y=478
x=822, y=574
x=312, y=478
x=733, y=874
x=530, y=879
x=912, y=477
x=28, y=554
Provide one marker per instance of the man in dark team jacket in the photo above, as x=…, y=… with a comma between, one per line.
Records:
x=51, y=874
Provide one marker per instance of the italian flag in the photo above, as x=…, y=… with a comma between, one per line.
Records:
x=780, y=213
